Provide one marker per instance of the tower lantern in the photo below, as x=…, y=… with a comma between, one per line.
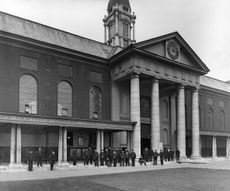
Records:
x=119, y=24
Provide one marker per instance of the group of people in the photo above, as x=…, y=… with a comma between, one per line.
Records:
x=109, y=157
x=38, y=155
x=165, y=155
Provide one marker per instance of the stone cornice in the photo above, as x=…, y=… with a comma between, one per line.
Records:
x=214, y=133
x=64, y=122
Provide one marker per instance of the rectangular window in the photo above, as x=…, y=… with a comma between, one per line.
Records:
x=65, y=70
x=28, y=63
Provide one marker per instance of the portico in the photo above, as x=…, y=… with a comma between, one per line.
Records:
x=176, y=81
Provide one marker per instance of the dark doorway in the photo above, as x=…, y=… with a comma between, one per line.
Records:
x=145, y=143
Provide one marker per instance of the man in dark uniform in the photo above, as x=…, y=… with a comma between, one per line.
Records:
x=146, y=154
x=75, y=157
x=39, y=157
x=91, y=155
x=133, y=157
x=151, y=155
x=52, y=160
x=102, y=158
x=96, y=157
x=122, y=158
x=172, y=154
x=86, y=157
x=114, y=158
x=30, y=161
x=155, y=156
x=161, y=157
x=127, y=157
x=177, y=155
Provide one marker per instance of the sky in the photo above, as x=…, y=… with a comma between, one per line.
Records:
x=204, y=24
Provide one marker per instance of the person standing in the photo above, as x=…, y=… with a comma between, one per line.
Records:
x=86, y=157
x=146, y=155
x=177, y=155
x=39, y=157
x=161, y=157
x=155, y=156
x=172, y=154
x=127, y=158
x=96, y=157
x=133, y=157
x=91, y=155
x=122, y=158
x=102, y=158
x=52, y=160
x=30, y=161
x=114, y=158
x=75, y=157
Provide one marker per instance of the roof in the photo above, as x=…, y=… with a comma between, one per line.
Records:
x=29, y=29
x=118, y=2
x=214, y=83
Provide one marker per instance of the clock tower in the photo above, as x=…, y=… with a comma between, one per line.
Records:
x=119, y=24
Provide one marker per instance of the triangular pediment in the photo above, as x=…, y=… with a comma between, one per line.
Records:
x=173, y=47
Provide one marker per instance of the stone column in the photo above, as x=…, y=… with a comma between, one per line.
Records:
x=181, y=126
x=195, y=126
x=128, y=133
x=98, y=141
x=228, y=147
x=115, y=100
x=65, y=145
x=135, y=112
x=102, y=139
x=173, y=122
x=12, y=145
x=117, y=40
x=60, y=145
x=105, y=33
x=19, y=145
x=134, y=38
x=214, y=147
x=155, y=115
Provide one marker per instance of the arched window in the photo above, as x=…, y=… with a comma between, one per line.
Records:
x=210, y=118
x=28, y=94
x=95, y=102
x=64, y=99
x=222, y=120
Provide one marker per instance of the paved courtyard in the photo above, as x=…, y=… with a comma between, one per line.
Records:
x=212, y=176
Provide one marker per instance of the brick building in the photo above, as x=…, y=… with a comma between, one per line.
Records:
x=64, y=92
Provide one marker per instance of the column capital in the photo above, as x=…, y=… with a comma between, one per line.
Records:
x=181, y=86
x=155, y=80
x=134, y=75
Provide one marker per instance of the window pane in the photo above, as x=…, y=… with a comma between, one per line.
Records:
x=28, y=94
x=95, y=102
x=64, y=107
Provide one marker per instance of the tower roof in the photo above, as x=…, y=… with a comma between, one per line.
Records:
x=119, y=2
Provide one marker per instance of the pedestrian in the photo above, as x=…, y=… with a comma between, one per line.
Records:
x=75, y=157
x=122, y=158
x=172, y=154
x=177, y=155
x=114, y=158
x=168, y=154
x=127, y=158
x=161, y=157
x=146, y=154
x=102, y=158
x=96, y=157
x=165, y=154
x=151, y=155
x=133, y=157
x=91, y=155
x=155, y=156
x=52, y=160
x=30, y=161
x=86, y=157
x=39, y=157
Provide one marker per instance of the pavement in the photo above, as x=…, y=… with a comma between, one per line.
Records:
x=39, y=173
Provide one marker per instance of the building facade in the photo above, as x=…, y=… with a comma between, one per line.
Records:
x=63, y=92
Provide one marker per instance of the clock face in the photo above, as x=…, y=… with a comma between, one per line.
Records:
x=173, y=50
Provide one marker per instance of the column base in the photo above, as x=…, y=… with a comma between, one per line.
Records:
x=63, y=164
x=193, y=157
x=15, y=166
